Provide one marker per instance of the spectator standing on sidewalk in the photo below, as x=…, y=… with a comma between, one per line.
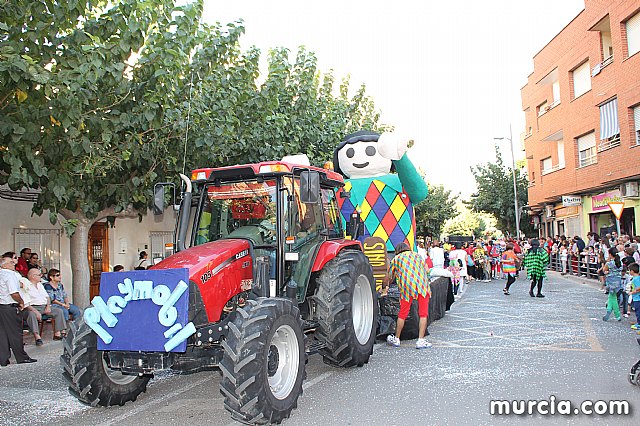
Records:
x=407, y=268
x=613, y=279
x=536, y=261
x=563, y=253
x=11, y=306
x=437, y=255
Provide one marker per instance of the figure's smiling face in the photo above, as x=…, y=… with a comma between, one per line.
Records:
x=362, y=159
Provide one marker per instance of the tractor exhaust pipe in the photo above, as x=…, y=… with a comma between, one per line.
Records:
x=185, y=209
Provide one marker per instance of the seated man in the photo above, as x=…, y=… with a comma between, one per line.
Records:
x=39, y=299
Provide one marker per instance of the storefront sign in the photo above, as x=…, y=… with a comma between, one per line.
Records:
x=142, y=311
x=601, y=202
x=571, y=200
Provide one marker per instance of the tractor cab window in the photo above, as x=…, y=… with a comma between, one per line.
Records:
x=331, y=213
x=244, y=209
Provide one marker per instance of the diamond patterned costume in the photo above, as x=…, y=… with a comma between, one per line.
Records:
x=385, y=204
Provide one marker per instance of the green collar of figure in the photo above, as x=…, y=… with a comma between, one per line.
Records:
x=360, y=186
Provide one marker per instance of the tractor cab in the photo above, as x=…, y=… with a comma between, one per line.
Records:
x=284, y=211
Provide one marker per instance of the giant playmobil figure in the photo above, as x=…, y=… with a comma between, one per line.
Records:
x=384, y=199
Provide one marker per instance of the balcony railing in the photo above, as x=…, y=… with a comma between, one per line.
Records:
x=552, y=169
x=587, y=161
x=597, y=68
x=609, y=143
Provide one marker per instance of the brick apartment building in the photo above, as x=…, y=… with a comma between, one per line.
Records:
x=582, y=111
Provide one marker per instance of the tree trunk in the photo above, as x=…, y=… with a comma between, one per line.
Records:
x=80, y=263
x=79, y=249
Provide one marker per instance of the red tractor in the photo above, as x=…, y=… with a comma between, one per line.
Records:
x=271, y=280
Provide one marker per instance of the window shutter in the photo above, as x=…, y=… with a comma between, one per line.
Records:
x=587, y=141
x=636, y=120
x=633, y=34
x=581, y=80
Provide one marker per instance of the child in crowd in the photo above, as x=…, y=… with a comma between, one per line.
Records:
x=635, y=292
x=613, y=279
x=563, y=252
x=454, y=267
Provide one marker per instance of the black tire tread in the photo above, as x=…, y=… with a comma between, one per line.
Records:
x=334, y=296
x=83, y=370
x=243, y=366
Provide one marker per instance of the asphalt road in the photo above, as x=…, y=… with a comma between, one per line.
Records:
x=488, y=347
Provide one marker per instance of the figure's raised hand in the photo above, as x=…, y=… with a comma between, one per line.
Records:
x=393, y=146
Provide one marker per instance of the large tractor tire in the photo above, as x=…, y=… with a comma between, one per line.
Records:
x=263, y=366
x=90, y=379
x=347, y=309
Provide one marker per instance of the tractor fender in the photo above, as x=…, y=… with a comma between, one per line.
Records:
x=330, y=249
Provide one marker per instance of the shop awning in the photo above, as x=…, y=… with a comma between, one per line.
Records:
x=609, y=125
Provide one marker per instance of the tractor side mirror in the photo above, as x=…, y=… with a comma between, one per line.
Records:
x=158, y=199
x=309, y=186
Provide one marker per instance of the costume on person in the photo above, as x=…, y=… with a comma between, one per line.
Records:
x=413, y=282
x=384, y=200
x=509, y=260
x=536, y=261
x=613, y=281
x=10, y=320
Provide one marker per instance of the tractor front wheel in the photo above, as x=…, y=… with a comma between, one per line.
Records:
x=90, y=379
x=263, y=366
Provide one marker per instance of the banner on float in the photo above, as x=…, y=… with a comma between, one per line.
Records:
x=144, y=310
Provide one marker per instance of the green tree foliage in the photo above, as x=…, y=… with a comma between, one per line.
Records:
x=464, y=222
x=495, y=194
x=433, y=212
x=100, y=99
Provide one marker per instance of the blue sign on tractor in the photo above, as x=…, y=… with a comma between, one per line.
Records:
x=143, y=310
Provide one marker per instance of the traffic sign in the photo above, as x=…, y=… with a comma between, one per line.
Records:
x=617, y=208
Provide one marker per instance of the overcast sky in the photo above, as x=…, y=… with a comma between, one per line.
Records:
x=447, y=74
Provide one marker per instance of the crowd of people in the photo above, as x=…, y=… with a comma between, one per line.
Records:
x=29, y=295
x=613, y=260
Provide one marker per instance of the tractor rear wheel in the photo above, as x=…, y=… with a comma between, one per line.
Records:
x=347, y=309
x=90, y=379
x=263, y=366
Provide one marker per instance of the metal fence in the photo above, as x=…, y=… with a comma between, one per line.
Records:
x=574, y=265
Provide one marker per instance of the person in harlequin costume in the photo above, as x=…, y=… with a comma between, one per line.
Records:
x=383, y=198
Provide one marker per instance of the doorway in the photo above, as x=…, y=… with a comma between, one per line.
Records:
x=98, y=255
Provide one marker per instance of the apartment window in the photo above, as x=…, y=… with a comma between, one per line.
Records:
x=542, y=108
x=581, y=80
x=609, y=125
x=632, y=27
x=546, y=165
x=636, y=121
x=607, y=45
x=556, y=92
x=587, y=150
x=45, y=242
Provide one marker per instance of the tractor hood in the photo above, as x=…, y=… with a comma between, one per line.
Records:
x=221, y=269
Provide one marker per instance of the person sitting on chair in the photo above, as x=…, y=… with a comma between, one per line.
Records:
x=59, y=298
x=41, y=302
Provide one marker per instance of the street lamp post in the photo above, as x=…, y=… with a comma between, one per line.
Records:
x=515, y=187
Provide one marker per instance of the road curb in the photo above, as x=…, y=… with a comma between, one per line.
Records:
x=573, y=278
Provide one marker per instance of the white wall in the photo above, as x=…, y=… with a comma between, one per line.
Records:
x=130, y=234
